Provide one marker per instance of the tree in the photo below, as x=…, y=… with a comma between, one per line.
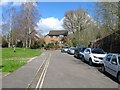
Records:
x=24, y=23
x=108, y=14
x=76, y=21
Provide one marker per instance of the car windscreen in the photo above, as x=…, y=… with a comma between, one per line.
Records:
x=119, y=59
x=72, y=48
x=82, y=50
x=98, y=51
x=65, y=47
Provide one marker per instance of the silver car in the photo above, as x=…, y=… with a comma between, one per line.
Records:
x=111, y=64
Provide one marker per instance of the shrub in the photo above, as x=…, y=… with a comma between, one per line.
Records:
x=35, y=45
x=4, y=43
x=49, y=45
x=19, y=44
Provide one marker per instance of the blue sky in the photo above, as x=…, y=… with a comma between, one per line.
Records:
x=57, y=9
x=52, y=13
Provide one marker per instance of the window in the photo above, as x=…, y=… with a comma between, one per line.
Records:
x=61, y=36
x=51, y=36
x=54, y=36
x=108, y=57
x=114, y=60
x=119, y=59
x=82, y=49
x=87, y=50
x=61, y=42
x=98, y=51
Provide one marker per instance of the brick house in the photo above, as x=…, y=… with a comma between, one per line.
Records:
x=59, y=36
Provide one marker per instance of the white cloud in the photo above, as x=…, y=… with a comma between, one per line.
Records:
x=51, y=23
x=16, y=2
x=3, y=2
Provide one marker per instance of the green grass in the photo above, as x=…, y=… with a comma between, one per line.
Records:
x=12, y=61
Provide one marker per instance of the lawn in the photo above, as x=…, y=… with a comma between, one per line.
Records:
x=12, y=61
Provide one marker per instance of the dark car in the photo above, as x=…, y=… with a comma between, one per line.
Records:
x=64, y=49
x=79, y=51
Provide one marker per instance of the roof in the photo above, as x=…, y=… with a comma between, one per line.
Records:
x=58, y=32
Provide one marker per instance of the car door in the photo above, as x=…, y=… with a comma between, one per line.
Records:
x=114, y=65
x=107, y=62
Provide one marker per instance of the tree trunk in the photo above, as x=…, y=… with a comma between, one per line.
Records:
x=29, y=38
x=26, y=41
x=9, y=40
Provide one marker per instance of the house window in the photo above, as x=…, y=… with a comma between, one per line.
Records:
x=54, y=36
x=61, y=42
x=61, y=36
x=51, y=36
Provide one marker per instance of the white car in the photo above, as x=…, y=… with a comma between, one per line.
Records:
x=94, y=56
x=111, y=64
x=71, y=50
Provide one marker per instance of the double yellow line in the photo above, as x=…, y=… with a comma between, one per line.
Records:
x=42, y=76
x=42, y=69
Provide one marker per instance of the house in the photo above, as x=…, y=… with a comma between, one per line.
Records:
x=56, y=36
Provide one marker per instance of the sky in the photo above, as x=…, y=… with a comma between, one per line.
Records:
x=52, y=13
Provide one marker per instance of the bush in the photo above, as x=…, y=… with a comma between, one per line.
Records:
x=49, y=45
x=35, y=45
x=4, y=43
x=56, y=46
x=19, y=44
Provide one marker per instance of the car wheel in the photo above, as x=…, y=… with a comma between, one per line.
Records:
x=83, y=59
x=90, y=62
x=118, y=78
x=103, y=69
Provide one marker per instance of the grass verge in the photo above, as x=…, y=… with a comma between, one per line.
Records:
x=12, y=61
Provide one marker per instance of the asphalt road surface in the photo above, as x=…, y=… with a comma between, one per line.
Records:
x=60, y=70
x=65, y=71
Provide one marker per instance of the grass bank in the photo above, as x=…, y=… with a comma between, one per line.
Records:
x=12, y=61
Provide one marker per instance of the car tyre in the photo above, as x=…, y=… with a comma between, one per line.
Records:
x=103, y=69
x=118, y=78
x=90, y=62
x=83, y=59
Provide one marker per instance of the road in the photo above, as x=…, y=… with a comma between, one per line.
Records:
x=61, y=70
x=65, y=71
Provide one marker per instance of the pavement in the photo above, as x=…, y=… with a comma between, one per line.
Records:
x=64, y=71
x=23, y=76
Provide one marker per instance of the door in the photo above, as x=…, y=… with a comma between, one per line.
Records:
x=107, y=62
x=114, y=65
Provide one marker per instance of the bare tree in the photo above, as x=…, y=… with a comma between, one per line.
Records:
x=30, y=15
x=76, y=21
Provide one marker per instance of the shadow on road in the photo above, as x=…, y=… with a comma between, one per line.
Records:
x=108, y=75
x=98, y=67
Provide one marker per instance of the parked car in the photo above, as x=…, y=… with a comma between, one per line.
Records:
x=111, y=64
x=94, y=55
x=79, y=51
x=64, y=49
x=71, y=50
